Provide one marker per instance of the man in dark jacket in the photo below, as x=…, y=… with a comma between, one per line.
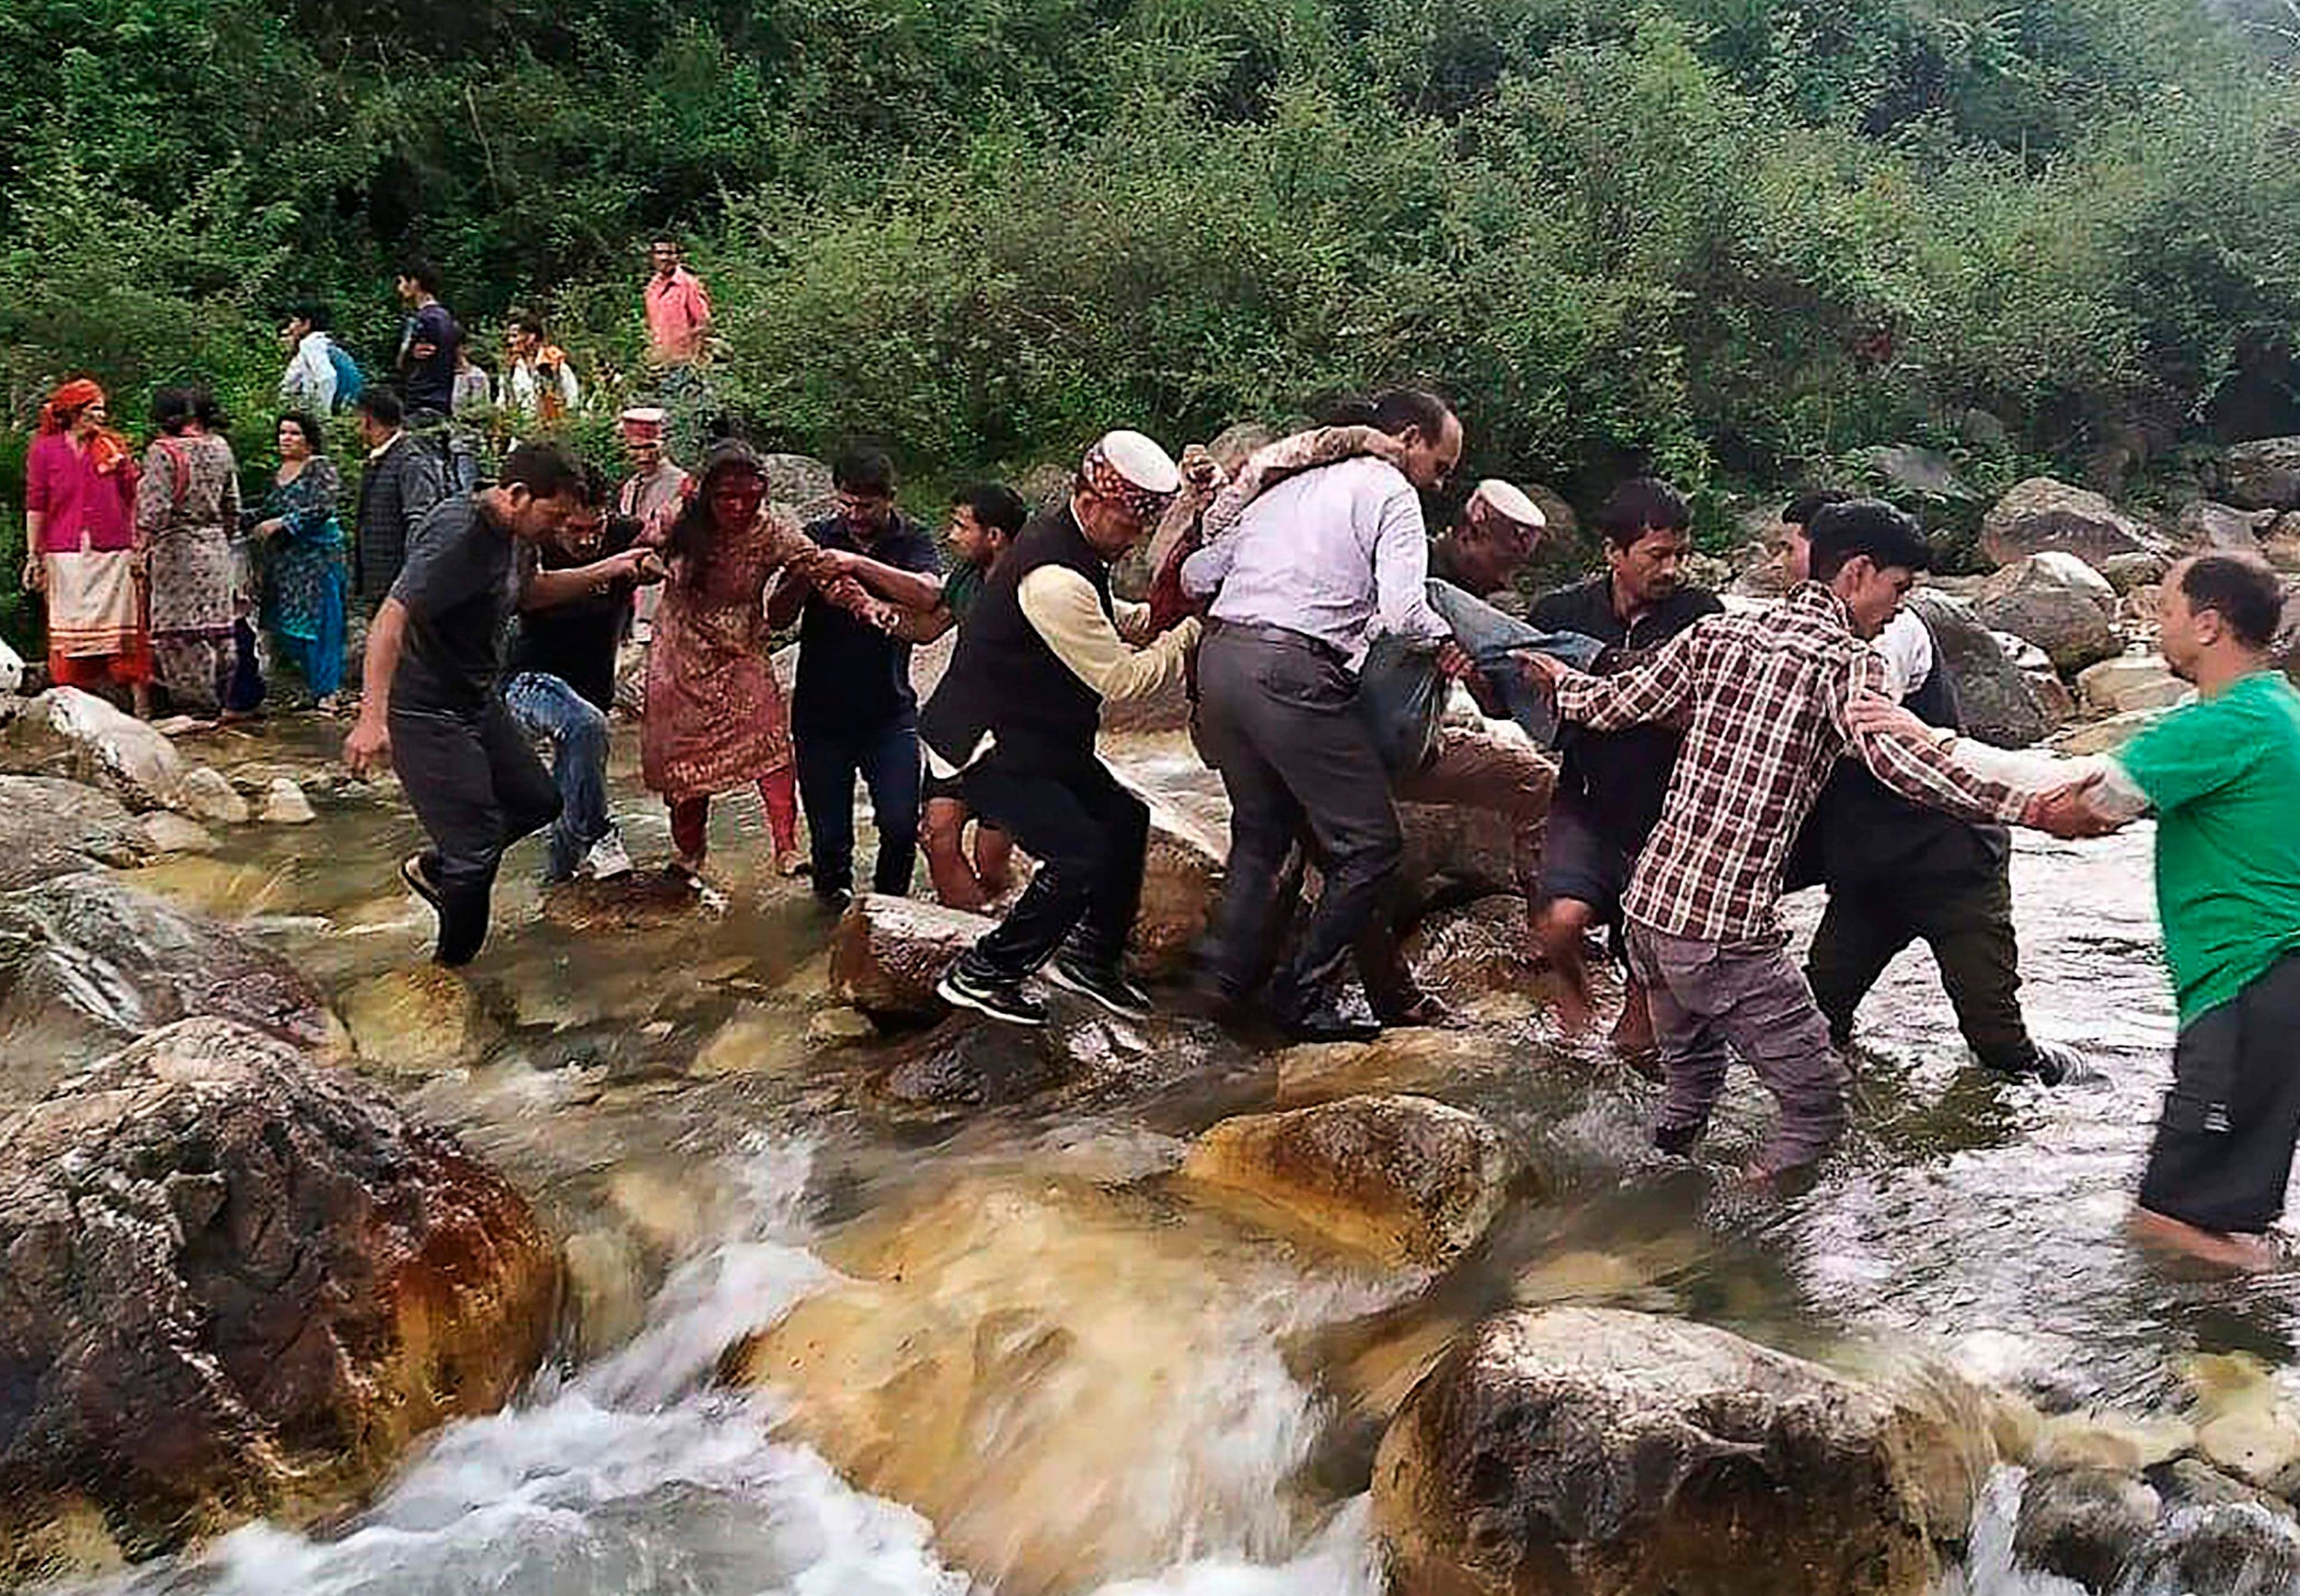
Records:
x=1899, y=872
x=853, y=712
x=1611, y=785
x=1042, y=649
x=398, y=484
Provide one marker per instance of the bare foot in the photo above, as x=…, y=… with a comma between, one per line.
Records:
x=2246, y=1253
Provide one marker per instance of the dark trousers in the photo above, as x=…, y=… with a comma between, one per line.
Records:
x=2223, y=1153
x=1280, y=720
x=477, y=787
x=885, y=754
x=1090, y=837
x=1966, y=920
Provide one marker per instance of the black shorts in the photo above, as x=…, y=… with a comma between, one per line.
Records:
x=1578, y=863
x=932, y=786
x=2223, y=1153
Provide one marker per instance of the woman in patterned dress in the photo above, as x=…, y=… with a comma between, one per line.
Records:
x=716, y=719
x=307, y=584
x=186, y=509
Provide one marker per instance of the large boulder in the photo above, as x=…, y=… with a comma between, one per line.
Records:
x=1564, y=1450
x=2056, y=601
x=2262, y=474
x=802, y=483
x=2130, y=682
x=887, y=953
x=2204, y=526
x=2042, y=515
x=103, y=746
x=1999, y=706
x=52, y=827
x=238, y=1285
x=88, y=964
x=1406, y=1180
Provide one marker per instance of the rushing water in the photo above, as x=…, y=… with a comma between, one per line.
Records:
x=1155, y=1399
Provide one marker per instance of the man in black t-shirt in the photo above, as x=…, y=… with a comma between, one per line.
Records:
x=853, y=711
x=434, y=703
x=1611, y=785
x=561, y=689
x=428, y=343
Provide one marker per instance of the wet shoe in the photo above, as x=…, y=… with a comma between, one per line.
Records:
x=1103, y=985
x=2056, y=1064
x=1677, y=1141
x=606, y=859
x=1326, y=1022
x=1000, y=1000
x=833, y=902
x=1423, y=1009
x=416, y=871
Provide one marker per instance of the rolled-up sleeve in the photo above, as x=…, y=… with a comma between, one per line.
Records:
x=1401, y=571
x=1063, y=608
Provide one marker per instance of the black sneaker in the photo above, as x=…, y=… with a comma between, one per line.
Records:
x=1103, y=985
x=2056, y=1063
x=1002, y=1000
x=416, y=871
x=833, y=900
x=1327, y=1022
x=1677, y=1141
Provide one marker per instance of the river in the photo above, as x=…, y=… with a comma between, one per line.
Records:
x=1066, y=1379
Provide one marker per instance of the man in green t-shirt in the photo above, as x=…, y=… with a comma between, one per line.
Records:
x=985, y=521
x=2221, y=775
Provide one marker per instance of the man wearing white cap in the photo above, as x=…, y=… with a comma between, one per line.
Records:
x=1016, y=718
x=648, y=495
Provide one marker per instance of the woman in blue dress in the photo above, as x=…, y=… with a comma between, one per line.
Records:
x=307, y=584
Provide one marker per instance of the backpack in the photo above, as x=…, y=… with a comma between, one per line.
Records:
x=348, y=383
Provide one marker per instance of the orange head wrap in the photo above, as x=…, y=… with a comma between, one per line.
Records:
x=108, y=450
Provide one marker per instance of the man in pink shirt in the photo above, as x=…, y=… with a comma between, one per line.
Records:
x=678, y=309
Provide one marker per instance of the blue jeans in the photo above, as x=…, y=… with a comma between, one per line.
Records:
x=885, y=756
x=547, y=707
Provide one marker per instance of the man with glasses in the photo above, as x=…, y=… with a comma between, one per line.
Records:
x=1316, y=568
x=853, y=712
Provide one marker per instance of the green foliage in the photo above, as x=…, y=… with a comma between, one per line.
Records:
x=1735, y=240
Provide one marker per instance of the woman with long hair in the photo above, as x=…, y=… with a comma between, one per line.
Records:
x=80, y=545
x=716, y=719
x=307, y=584
x=186, y=509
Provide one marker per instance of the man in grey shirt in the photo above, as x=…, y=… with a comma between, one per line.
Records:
x=1316, y=568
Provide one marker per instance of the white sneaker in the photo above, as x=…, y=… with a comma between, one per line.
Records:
x=606, y=859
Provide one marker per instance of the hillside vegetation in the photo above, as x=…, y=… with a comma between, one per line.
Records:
x=1735, y=239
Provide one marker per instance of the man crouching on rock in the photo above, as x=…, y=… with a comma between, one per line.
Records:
x=434, y=672
x=1015, y=720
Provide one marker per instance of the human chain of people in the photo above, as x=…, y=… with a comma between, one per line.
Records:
x=1667, y=767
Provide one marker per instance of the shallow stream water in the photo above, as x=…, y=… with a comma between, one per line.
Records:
x=1068, y=1378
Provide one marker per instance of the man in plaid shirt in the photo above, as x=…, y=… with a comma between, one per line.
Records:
x=1765, y=699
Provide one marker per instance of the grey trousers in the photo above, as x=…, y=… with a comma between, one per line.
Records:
x=1280, y=720
x=1714, y=999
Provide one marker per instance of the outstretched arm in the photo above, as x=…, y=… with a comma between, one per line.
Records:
x=1660, y=689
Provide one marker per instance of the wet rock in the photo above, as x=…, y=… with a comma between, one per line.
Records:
x=2243, y=1427
x=2056, y=601
x=2130, y=573
x=1484, y=946
x=2083, y=1523
x=641, y=900
x=1181, y=880
x=206, y=795
x=2098, y=1438
x=2280, y=543
x=2233, y=1549
x=1560, y=1451
x=2204, y=526
x=165, y=832
x=51, y=827
x=1999, y=707
x=285, y=805
x=88, y=964
x=237, y=1285
x=606, y=1297
x=2262, y=474
x=888, y=953
x=838, y=1027
x=103, y=746
x=758, y=1040
x=974, y=1063
x=2192, y=1482
x=417, y=1021
x=1406, y=1180
x=2042, y=515
x=2130, y=682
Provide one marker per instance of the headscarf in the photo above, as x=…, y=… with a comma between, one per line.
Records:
x=1131, y=469
x=108, y=450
